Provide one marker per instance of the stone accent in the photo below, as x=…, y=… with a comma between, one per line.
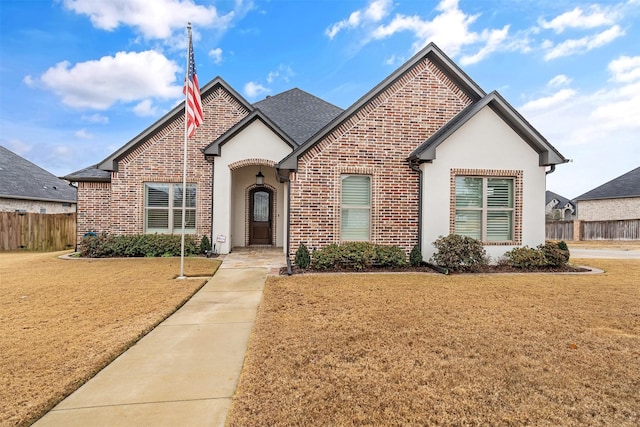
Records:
x=518, y=188
x=376, y=140
x=609, y=209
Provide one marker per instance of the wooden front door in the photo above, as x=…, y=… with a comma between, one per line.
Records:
x=260, y=216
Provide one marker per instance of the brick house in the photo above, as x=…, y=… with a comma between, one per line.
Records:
x=618, y=199
x=424, y=153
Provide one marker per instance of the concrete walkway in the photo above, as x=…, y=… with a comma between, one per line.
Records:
x=185, y=371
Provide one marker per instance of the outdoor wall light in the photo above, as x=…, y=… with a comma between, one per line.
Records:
x=260, y=177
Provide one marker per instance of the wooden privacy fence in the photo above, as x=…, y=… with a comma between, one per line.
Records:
x=37, y=232
x=559, y=230
x=626, y=229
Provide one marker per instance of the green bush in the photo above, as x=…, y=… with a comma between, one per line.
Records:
x=205, y=245
x=459, y=253
x=302, y=258
x=415, y=257
x=357, y=256
x=555, y=254
x=389, y=256
x=526, y=257
x=137, y=245
x=327, y=257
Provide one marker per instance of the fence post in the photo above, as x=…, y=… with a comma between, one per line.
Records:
x=577, y=236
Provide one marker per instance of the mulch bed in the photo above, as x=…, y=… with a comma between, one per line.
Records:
x=426, y=269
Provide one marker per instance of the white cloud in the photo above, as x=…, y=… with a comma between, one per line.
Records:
x=95, y=118
x=18, y=146
x=559, y=80
x=577, y=18
x=253, y=90
x=157, y=19
x=374, y=12
x=125, y=77
x=83, y=134
x=145, y=108
x=625, y=69
x=283, y=73
x=494, y=40
x=546, y=102
x=29, y=81
x=216, y=54
x=584, y=44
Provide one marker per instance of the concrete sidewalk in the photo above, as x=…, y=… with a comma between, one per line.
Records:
x=185, y=371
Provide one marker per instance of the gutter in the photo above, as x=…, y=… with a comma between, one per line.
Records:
x=414, y=164
x=550, y=171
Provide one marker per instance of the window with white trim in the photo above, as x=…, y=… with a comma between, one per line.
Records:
x=356, y=208
x=163, y=208
x=485, y=208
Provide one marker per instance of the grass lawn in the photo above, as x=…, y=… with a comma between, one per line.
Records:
x=61, y=321
x=416, y=349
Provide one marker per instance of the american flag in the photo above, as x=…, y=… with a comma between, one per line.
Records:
x=192, y=91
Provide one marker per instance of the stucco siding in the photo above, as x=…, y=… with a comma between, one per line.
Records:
x=484, y=143
x=609, y=209
x=235, y=172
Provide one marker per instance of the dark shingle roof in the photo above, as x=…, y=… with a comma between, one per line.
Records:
x=21, y=179
x=299, y=114
x=89, y=174
x=562, y=201
x=627, y=185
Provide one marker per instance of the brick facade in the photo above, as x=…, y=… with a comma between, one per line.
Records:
x=376, y=140
x=118, y=207
x=93, y=208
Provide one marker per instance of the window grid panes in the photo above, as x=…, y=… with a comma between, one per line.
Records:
x=356, y=208
x=485, y=208
x=163, y=208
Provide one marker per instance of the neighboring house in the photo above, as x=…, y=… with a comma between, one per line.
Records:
x=25, y=187
x=423, y=154
x=618, y=199
x=558, y=208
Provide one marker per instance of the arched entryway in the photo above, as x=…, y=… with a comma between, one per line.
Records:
x=260, y=216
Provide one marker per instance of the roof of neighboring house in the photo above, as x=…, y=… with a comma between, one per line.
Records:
x=431, y=51
x=548, y=154
x=562, y=201
x=627, y=185
x=298, y=113
x=89, y=174
x=21, y=179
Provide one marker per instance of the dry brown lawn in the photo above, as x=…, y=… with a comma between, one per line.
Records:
x=426, y=349
x=61, y=321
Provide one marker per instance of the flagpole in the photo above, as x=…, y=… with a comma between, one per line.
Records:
x=184, y=155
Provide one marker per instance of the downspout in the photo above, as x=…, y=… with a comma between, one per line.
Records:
x=213, y=243
x=550, y=171
x=415, y=165
x=289, y=272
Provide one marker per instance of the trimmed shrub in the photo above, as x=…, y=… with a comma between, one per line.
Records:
x=302, y=258
x=327, y=257
x=555, y=254
x=459, y=253
x=389, y=256
x=526, y=257
x=137, y=245
x=415, y=257
x=205, y=245
x=357, y=256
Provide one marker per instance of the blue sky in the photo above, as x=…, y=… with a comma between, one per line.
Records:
x=80, y=78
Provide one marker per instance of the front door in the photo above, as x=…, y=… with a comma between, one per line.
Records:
x=260, y=216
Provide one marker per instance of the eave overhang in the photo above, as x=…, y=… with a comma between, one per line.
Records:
x=548, y=155
x=111, y=162
x=433, y=53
